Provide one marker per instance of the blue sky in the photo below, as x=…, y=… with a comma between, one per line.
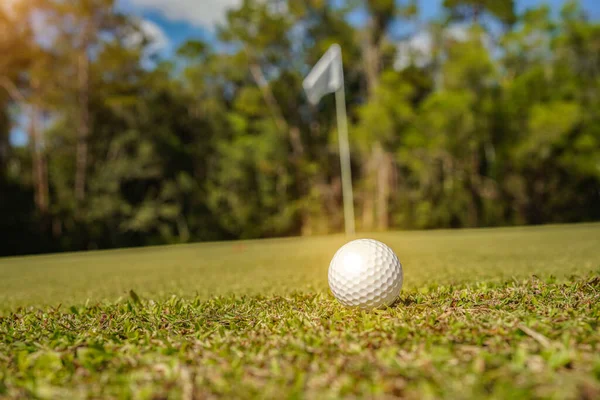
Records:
x=179, y=20
x=172, y=22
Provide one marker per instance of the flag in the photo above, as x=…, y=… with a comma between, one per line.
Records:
x=326, y=77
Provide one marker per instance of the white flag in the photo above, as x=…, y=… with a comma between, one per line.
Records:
x=327, y=76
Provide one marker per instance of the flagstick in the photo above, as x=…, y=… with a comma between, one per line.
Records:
x=340, y=104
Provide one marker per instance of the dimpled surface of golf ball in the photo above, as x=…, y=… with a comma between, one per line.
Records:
x=366, y=274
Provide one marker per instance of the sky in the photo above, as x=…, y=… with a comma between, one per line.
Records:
x=171, y=22
x=174, y=21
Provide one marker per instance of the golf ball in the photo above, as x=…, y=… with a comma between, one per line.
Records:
x=366, y=274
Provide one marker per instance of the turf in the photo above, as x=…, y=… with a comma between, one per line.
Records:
x=284, y=265
x=500, y=313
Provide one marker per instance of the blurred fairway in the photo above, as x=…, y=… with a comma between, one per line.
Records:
x=281, y=266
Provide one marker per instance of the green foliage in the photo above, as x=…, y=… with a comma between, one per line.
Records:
x=251, y=164
x=503, y=10
x=548, y=126
x=388, y=115
x=218, y=142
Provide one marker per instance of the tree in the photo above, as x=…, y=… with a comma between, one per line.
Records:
x=80, y=26
x=128, y=148
x=559, y=146
x=502, y=10
x=379, y=167
x=21, y=73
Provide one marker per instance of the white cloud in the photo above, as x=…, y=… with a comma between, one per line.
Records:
x=418, y=49
x=152, y=32
x=158, y=38
x=197, y=12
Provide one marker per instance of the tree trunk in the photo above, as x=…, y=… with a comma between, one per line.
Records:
x=40, y=179
x=39, y=171
x=367, y=212
x=84, y=128
x=368, y=195
x=4, y=129
x=380, y=161
x=378, y=189
x=372, y=66
x=474, y=190
x=44, y=188
x=384, y=172
x=372, y=56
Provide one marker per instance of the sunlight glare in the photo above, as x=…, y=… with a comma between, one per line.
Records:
x=352, y=264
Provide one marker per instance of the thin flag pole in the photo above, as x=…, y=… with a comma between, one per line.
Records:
x=342, y=122
x=327, y=76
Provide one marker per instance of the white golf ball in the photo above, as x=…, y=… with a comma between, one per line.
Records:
x=366, y=274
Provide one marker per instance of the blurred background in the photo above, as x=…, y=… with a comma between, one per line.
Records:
x=142, y=122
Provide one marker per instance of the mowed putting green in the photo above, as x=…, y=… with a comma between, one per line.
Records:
x=282, y=266
x=491, y=313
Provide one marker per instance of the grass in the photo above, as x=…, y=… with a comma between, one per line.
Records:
x=284, y=265
x=498, y=313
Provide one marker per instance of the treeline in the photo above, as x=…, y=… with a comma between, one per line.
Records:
x=490, y=118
